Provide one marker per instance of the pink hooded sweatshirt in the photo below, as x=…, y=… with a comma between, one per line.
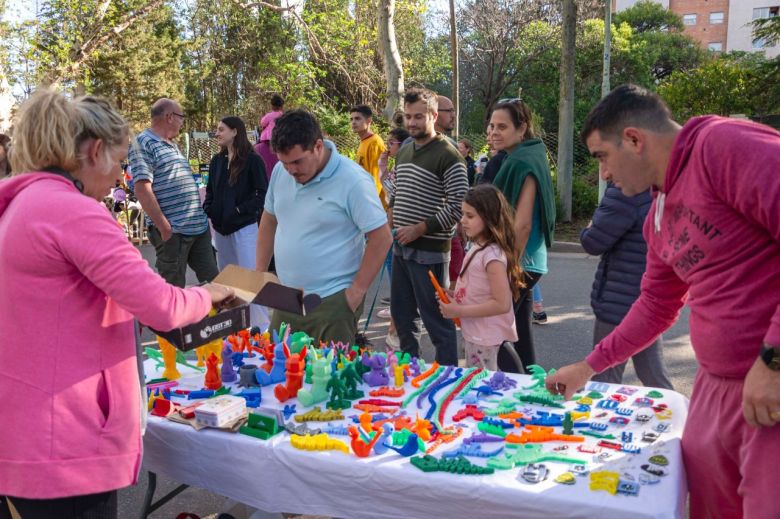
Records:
x=70, y=283
x=713, y=237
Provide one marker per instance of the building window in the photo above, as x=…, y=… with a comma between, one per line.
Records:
x=689, y=19
x=715, y=46
x=716, y=17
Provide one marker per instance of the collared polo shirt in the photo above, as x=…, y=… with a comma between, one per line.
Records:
x=319, y=241
x=160, y=162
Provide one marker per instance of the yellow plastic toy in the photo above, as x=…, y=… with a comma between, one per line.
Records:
x=398, y=374
x=204, y=351
x=577, y=415
x=318, y=442
x=169, y=357
x=318, y=415
x=604, y=480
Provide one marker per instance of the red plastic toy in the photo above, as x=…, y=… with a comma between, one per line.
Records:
x=469, y=411
x=213, y=380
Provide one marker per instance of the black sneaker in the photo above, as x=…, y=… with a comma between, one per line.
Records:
x=540, y=317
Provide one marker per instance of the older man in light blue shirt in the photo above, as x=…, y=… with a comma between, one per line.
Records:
x=325, y=226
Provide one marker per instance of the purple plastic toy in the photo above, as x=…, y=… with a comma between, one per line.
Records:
x=228, y=373
x=378, y=374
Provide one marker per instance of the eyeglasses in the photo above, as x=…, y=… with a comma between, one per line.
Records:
x=183, y=117
x=509, y=100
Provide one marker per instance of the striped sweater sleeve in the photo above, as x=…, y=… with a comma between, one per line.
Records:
x=455, y=183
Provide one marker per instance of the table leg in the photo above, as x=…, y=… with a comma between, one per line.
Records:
x=150, y=507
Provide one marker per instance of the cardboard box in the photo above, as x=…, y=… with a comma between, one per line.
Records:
x=250, y=287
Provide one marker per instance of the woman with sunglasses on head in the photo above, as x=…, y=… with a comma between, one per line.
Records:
x=525, y=180
x=72, y=401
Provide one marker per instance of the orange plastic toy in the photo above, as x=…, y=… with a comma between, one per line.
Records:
x=387, y=391
x=539, y=433
x=416, y=381
x=441, y=292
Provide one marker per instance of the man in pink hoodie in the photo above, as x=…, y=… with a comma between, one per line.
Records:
x=713, y=237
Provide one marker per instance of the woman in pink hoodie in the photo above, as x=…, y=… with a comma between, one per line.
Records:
x=267, y=124
x=70, y=286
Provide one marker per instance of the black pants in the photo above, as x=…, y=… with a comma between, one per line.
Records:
x=92, y=506
x=525, y=341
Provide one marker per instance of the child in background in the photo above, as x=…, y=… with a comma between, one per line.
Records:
x=490, y=279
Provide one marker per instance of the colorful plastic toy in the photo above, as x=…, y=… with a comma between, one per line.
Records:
x=604, y=480
x=318, y=442
x=474, y=450
x=470, y=411
x=362, y=445
x=459, y=465
x=351, y=379
x=321, y=370
x=336, y=388
x=246, y=376
x=391, y=392
x=318, y=415
x=227, y=371
x=295, y=365
x=378, y=374
x=442, y=294
x=409, y=447
x=260, y=426
x=212, y=379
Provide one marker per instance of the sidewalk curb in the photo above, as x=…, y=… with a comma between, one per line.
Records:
x=567, y=246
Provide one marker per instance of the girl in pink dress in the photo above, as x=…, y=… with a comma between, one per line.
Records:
x=489, y=280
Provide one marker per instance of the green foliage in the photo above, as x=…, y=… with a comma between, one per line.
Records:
x=768, y=30
x=735, y=83
x=649, y=16
x=149, y=54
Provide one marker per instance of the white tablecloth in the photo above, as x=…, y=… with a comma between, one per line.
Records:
x=274, y=476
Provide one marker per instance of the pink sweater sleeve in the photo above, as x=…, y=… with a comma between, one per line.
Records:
x=753, y=152
x=101, y=252
x=662, y=296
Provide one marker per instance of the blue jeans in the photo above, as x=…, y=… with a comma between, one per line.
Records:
x=410, y=290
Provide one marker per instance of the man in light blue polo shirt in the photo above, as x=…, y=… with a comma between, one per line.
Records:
x=166, y=189
x=324, y=225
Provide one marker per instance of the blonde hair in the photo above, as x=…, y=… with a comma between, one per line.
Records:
x=49, y=130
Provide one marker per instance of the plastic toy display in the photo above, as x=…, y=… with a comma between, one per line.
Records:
x=371, y=406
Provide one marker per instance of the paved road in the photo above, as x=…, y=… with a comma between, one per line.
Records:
x=566, y=338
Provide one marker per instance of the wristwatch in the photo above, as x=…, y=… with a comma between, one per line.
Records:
x=771, y=357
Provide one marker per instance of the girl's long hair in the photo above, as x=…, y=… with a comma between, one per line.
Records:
x=241, y=147
x=492, y=207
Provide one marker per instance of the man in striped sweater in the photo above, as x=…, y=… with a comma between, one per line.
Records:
x=178, y=226
x=431, y=182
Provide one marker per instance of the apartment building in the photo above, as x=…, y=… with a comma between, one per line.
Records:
x=720, y=25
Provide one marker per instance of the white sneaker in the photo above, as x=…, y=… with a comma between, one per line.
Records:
x=384, y=313
x=393, y=342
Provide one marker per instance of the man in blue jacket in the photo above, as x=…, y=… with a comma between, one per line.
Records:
x=615, y=233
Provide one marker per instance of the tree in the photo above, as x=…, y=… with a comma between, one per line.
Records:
x=736, y=83
x=140, y=65
x=649, y=16
x=391, y=58
x=566, y=117
x=500, y=38
x=767, y=30
x=70, y=32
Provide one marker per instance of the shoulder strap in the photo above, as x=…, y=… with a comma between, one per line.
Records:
x=463, y=270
